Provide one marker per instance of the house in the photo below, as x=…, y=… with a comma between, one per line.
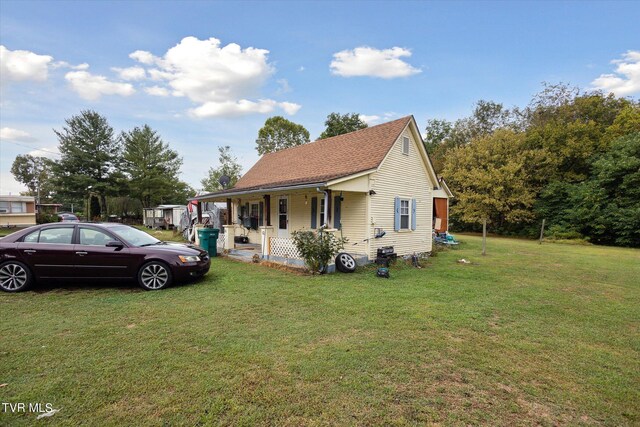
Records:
x=374, y=186
x=17, y=211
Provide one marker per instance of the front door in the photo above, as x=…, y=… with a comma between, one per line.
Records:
x=95, y=260
x=283, y=217
x=49, y=252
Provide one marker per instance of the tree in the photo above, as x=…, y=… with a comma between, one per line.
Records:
x=151, y=166
x=229, y=166
x=608, y=208
x=279, y=133
x=338, y=124
x=35, y=173
x=496, y=178
x=89, y=166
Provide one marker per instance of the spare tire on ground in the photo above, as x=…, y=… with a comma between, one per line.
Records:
x=345, y=263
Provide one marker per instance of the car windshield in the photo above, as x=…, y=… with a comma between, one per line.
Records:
x=134, y=236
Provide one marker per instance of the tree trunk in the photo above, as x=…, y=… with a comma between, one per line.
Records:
x=484, y=237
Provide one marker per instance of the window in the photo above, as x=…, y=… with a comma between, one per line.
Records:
x=4, y=207
x=321, y=212
x=91, y=237
x=254, y=215
x=18, y=207
x=404, y=214
x=405, y=145
x=56, y=235
x=31, y=237
x=282, y=214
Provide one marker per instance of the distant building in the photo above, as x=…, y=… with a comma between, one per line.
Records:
x=17, y=211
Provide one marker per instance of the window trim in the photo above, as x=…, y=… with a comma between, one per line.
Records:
x=407, y=215
x=405, y=142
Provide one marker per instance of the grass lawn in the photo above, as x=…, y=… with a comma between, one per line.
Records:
x=528, y=335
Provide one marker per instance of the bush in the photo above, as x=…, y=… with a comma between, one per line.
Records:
x=45, y=218
x=317, y=249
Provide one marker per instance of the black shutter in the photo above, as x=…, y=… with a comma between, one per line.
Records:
x=337, y=201
x=261, y=214
x=314, y=212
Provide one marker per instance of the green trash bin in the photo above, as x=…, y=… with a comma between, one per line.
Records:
x=204, y=235
x=213, y=241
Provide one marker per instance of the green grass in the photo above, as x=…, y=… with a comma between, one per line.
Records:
x=527, y=335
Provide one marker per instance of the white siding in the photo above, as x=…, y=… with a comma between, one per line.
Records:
x=353, y=213
x=403, y=176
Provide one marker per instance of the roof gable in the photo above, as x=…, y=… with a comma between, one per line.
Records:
x=325, y=159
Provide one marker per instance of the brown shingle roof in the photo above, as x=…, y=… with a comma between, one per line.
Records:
x=325, y=159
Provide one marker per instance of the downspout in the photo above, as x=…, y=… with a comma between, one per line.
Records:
x=326, y=206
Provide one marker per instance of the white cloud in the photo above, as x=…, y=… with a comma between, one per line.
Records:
x=222, y=79
x=241, y=107
x=284, y=86
x=289, y=107
x=21, y=65
x=626, y=80
x=157, y=91
x=10, y=134
x=143, y=57
x=92, y=87
x=65, y=64
x=374, y=119
x=130, y=73
x=368, y=61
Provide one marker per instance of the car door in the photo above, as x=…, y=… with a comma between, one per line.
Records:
x=95, y=260
x=49, y=252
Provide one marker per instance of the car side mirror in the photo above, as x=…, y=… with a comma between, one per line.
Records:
x=115, y=244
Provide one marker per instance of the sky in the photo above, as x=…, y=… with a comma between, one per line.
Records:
x=206, y=74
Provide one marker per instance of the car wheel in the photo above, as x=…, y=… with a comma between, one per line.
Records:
x=15, y=277
x=154, y=276
x=345, y=263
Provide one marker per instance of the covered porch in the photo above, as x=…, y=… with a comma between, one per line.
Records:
x=261, y=221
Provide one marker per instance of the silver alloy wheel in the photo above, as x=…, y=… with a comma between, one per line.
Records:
x=348, y=261
x=154, y=276
x=13, y=277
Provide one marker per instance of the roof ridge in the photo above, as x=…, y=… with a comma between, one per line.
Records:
x=338, y=136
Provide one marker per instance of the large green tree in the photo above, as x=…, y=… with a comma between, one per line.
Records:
x=338, y=124
x=496, y=178
x=228, y=166
x=35, y=173
x=90, y=159
x=279, y=133
x=152, y=168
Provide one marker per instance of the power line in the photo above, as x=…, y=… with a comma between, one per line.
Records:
x=32, y=149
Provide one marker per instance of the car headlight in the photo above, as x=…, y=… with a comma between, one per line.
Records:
x=189, y=258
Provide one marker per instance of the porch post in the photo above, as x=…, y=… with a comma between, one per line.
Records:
x=229, y=222
x=199, y=210
x=267, y=208
x=265, y=241
x=229, y=236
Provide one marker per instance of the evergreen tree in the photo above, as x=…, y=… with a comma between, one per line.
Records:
x=151, y=166
x=90, y=157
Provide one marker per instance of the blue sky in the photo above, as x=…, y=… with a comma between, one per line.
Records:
x=205, y=74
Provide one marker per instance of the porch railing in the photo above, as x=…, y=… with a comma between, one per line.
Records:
x=222, y=239
x=283, y=247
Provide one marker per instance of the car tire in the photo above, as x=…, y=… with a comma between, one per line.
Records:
x=15, y=277
x=154, y=276
x=345, y=263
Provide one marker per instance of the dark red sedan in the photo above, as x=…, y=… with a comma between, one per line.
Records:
x=95, y=251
